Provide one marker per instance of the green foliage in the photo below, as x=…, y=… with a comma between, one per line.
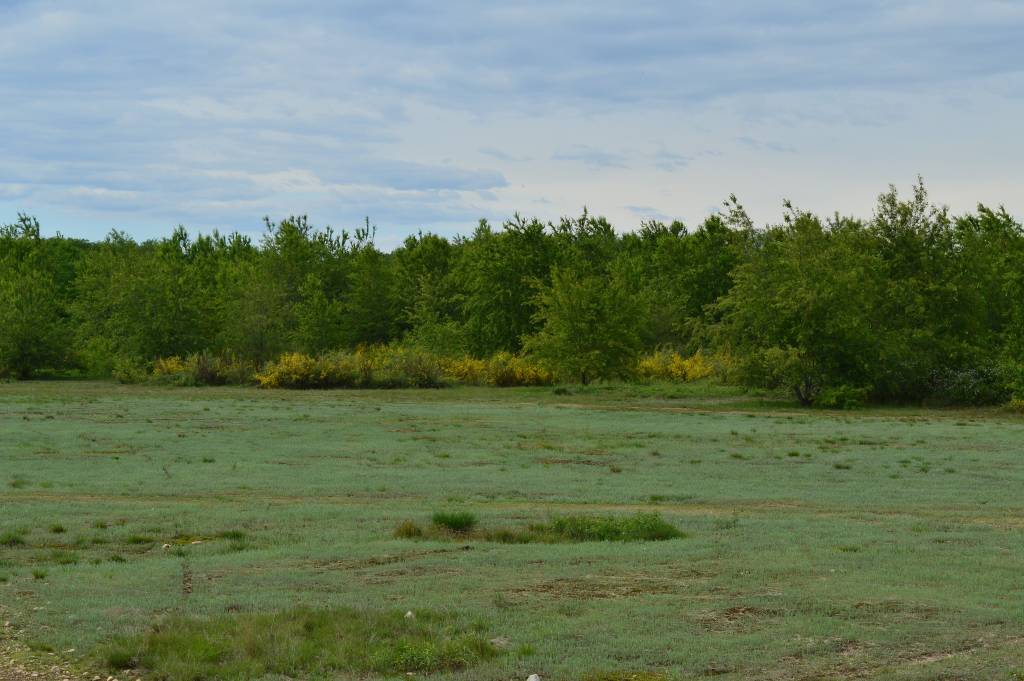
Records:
x=455, y=521
x=913, y=304
x=841, y=397
x=299, y=642
x=639, y=527
x=588, y=329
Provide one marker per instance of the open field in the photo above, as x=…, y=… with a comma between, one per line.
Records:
x=881, y=544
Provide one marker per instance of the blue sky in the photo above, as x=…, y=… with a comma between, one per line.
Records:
x=427, y=115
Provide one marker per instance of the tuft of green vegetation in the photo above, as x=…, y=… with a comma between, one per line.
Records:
x=639, y=527
x=408, y=529
x=299, y=642
x=625, y=676
x=57, y=528
x=11, y=539
x=454, y=521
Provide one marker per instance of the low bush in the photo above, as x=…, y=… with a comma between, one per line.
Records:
x=455, y=521
x=842, y=397
x=668, y=365
x=983, y=384
x=408, y=529
x=299, y=643
x=376, y=367
x=560, y=529
x=639, y=527
x=203, y=369
x=506, y=370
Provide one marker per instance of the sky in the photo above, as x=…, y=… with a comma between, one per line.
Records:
x=428, y=116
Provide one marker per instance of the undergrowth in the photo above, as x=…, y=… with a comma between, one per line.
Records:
x=299, y=642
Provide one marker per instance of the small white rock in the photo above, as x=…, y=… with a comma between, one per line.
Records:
x=410, y=615
x=533, y=677
x=165, y=547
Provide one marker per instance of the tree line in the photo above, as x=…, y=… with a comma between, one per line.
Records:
x=911, y=304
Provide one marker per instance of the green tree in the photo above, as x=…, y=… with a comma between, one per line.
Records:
x=588, y=329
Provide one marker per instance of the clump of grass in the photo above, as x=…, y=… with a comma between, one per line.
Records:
x=39, y=574
x=11, y=539
x=454, y=521
x=569, y=528
x=625, y=676
x=138, y=539
x=18, y=482
x=408, y=529
x=842, y=466
x=639, y=527
x=64, y=557
x=300, y=642
x=100, y=524
x=234, y=535
x=57, y=528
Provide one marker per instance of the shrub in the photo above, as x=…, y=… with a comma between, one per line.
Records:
x=640, y=527
x=506, y=370
x=203, y=369
x=668, y=365
x=456, y=521
x=404, y=367
x=129, y=370
x=465, y=370
x=295, y=370
x=842, y=397
x=983, y=384
x=408, y=529
x=300, y=643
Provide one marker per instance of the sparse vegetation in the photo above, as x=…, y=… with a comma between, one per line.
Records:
x=307, y=489
x=454, y=521
x=300, y=642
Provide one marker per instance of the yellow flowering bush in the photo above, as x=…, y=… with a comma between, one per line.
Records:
x=505, y=369
x=668, y=365
x=168, y=366
x=466, y=370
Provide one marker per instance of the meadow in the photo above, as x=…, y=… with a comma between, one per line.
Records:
x=155, y=532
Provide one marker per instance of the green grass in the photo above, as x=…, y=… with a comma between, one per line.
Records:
x=876, y=544
x=298, y=642
x=454, y=521
x=561, y=528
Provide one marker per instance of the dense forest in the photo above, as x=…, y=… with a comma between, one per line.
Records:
x=913, y=304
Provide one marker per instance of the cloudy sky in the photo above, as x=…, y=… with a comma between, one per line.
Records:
x=430, y=115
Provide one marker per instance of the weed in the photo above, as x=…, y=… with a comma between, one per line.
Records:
x=11, y=539
x=57, y=528
x=64, y=557
x=640, y=527
x=39, y=574
x=455, y=521
x=300, y=642
x=408, y=529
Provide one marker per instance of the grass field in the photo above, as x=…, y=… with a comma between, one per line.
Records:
x=882, y=544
